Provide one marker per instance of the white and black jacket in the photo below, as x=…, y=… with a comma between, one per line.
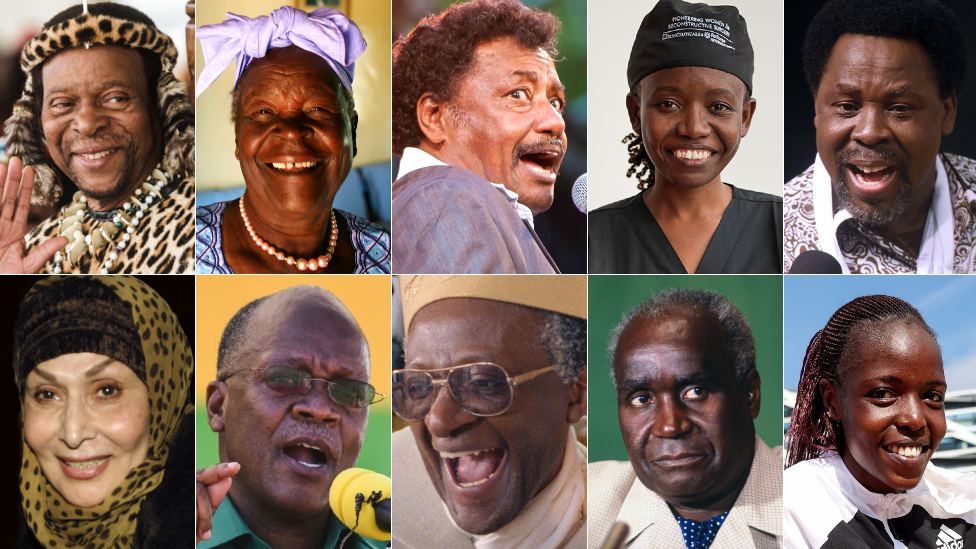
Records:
x=826, y=507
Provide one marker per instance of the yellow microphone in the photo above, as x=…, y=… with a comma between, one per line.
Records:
x=361, y=500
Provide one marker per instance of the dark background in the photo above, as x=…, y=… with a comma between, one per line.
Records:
x=800, y=139
x=177, y=290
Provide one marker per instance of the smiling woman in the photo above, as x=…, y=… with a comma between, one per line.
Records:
x=104, y=372
x=295, y=134
x=869, y=415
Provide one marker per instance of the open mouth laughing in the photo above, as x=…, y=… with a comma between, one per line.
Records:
x=84, y=468
x=470, y=469
x=541, y=160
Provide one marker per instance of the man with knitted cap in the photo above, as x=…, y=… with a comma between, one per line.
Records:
x=690, y=104
x=104, y=132
x=494, y=381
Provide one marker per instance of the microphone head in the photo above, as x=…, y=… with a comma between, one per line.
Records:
x=342, y=499
x=579, y=193
x=815, y=262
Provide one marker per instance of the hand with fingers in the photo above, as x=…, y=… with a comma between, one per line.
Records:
x=16, y=183
x=213, y=483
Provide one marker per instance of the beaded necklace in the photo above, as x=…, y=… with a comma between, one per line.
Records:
x=311, y=264
x=100, y=236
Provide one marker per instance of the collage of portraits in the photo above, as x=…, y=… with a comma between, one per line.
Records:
x=268, y=266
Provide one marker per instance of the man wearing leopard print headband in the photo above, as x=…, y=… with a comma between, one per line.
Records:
x=101, y=112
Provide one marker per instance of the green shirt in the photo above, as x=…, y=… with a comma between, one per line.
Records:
x=231, y=532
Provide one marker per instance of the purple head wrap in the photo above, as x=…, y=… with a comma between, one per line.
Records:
x=325, y=32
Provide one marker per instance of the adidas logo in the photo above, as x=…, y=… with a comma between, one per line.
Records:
x=948, y=539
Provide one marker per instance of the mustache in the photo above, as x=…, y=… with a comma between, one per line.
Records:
x=860, y=152
x=528, y=147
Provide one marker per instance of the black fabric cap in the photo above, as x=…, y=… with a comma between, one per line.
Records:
x=679, y=34
x=76, y=315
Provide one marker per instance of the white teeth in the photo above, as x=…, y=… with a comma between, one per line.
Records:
x=312, y=465
x=475, y=483
x=872, y=170
x=455, y=455
x=85, y=464
x=691, y=154
x=311, y=447
x=95, y=156
x=292, y=165
x=907, y=451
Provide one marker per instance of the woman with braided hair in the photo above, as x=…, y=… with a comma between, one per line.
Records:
x=869, y=414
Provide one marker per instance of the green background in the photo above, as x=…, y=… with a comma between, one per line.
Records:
x=376, y=447
x=759, y=297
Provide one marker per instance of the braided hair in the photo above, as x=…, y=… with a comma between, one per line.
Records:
x=811, y=432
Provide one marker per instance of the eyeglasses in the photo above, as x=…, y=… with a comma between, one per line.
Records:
x=482, y=389
x=290, y=381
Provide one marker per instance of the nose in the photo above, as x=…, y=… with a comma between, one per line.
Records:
x=89, y=118
x=910, y=416
x=446, y=415
x=693, y=123
x=870, y=127
x=76, y=424
x=292, y=126
x=670, y=419
x=549, y=120
x=316, y=406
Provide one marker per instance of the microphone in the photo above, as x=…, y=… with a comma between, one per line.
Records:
x=815, y=262
x=617, y=536
x=361, y=499
x=579, y=193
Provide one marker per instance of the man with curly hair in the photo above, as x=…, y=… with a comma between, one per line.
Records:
x=477, y=122
x=881, y=197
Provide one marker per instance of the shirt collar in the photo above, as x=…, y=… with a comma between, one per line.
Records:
x=228, y=526
x=415, y=159
x=756, y=507
x=938, y=240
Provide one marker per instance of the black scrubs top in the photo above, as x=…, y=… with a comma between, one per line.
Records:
x=624, y=237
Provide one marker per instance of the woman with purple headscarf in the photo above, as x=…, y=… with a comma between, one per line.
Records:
x=295, y=134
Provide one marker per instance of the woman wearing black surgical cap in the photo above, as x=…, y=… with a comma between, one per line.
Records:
x=690, y=103
x=105, y=378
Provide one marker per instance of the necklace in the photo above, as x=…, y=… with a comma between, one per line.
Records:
x=310, y=264
x=106, y=226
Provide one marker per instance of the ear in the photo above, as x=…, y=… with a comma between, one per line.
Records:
x=216, y=399
x=354, y=122
x=577, y=403
x=754, y=392
x=432, y=117
x=829, y=393
x=950, y=105
x=633, y=110
x=748, y=111
x=237, y=148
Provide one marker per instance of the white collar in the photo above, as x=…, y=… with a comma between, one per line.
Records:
x=414, y=159
x=553, y=516
x=938, y=240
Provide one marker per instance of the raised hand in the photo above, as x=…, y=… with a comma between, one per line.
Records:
x=213, y=483
x=16, y=183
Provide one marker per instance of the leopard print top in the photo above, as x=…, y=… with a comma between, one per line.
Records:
x=162, y=243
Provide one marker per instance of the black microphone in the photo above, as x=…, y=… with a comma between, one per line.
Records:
x=579, y=193
x=815, y=262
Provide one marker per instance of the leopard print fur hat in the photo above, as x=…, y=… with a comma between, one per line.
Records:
x=105, y=23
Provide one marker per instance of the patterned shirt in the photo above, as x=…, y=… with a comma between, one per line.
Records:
x=700, y=535
x=371, y=242
x=867, y=252
x=756, y=519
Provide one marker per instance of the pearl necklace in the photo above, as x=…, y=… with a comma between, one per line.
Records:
x=103, y=234
x=311, y=264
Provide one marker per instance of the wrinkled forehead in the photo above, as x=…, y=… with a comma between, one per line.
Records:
x=289, y=67
x=688, y=331
x=505, y=58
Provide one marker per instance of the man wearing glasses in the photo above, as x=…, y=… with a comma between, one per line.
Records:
x=495, y=378
x=289, y=406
